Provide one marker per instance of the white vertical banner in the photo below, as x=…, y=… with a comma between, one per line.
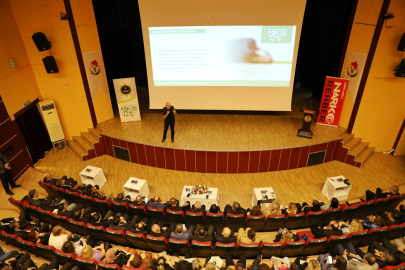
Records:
x=93, y=61
x=127, y=99
x=353, y=70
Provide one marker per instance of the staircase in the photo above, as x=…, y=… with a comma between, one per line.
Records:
x=82, y=145
x=360, y=150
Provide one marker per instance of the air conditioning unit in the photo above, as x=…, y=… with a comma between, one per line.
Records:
x=50, y=116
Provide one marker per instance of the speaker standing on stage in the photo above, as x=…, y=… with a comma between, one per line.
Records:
x=168, y=114
x=5, y=175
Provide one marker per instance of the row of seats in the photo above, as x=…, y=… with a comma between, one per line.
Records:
x=235, y=221
x=149, y=242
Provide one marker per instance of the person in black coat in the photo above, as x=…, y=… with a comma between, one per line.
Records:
x=314, y=207
x=386, y=254
x=202, y=234
x=234, y=209
x=160, y=229
x=173, y=204
x=97, y=220
x=331, y=229
x=224, y=235
x=198, y=208
x=394, y=190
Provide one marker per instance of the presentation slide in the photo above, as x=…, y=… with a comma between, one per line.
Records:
x=222, y=55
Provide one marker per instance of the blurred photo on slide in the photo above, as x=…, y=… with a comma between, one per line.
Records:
x=245, y=50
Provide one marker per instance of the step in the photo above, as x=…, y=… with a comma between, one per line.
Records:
x=352, y=143
x=344, y=135
x=89, y=137
x=95, y=132
x=355, y=151
x=85, y=145
x=77, y=149
x=348, y=138
x=366, y=154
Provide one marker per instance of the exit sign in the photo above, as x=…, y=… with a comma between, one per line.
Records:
x=27, y=103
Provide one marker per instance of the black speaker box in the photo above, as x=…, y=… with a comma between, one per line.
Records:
x=50, y=64
x=41, y=41
x=401, y=45
x=401, y=69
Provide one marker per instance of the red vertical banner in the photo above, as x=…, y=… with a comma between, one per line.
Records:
x=334, y=92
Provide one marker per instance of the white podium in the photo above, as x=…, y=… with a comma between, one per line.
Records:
x=335, y=187
x=259, y=193
x=135, y=186
x=93, y=176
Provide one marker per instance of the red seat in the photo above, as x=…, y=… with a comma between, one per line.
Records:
x=293, y=221
x=201, y=249
x=194, y=218
x=88, y=201
x=348, y=212
x=235, y=221
x=88, y=264
x=250, y=250
x=117, y=236
x=137, y=210
x=157, y=243
x=396, y=231
x=255, y=222
x=214, y=219
x=333, y=240
x=220, y=249
x=45, y=250
x=64, y=257
x=312, y=218
x=374, y=235
x=273, y=222
x=356, y=237
x=314, y=246
x=27, y=245
x=268, y=249
x=179, y=246
x=291, y=248
x=394, y=267
x=174, y=216
x=137, y=240
x=330, y=214
x=119, y=207
x=77, y=226
x=16, y=203
x=156, y=213
x=97, y=231
x=106, y=266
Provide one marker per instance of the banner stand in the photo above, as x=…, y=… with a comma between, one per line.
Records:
x=127, y=99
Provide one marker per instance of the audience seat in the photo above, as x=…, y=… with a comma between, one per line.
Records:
x=117, y=236
x=329, y=215
x=250, y=250
x=396, y=199
x=293, y=221
x=349, y=212
x=312, y=218
x=65, y=257
x=119, y=207
x=273, y=222
x=77, y=226
x=60, y=192
x=44, y=215
x=334, y=240
x=366, y=206
x=268, y=249
x=106, y=266
x=27, y=245
x=194, y=218
x=255, y=222
x=379, y=205
x=291, y=248
x=174, y=216
x=32, y=210
x=356, y=237
x=137, y=240
x=45, y=250
x=137, y=210
x=72, y=197
x=156, y=213
x=179, y=246
x=395, y=231
x=8, y=238
x=85, y=200
x=214, y=219
x=374, y=235
x=97, y=231
x=220, y=249
x=16, y=203
x=87, y=264
x=124, y=267
x=45, y=186
x=201, y=249
x=235, y=221
x=394, y=267
x=157, y=243
x=61, y=220
x=314, y=246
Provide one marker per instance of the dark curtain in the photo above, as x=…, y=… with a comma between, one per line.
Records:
x=322, y=41
x=35, y=135
x=121, y=40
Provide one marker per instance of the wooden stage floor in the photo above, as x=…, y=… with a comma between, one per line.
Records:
x=225, y=131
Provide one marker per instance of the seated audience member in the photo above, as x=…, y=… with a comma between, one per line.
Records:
x=331, y=229
x=62, y=183
x=292, y=208
x=354, y=226
x=69, y=247
x=373, y=222
x=224, y=235
x=386, y=254
x=161, y=264
x=36, y=237
x=59, y=236
x=240, y=265
x=51, y=180
x=255, y=211
x=82, y=215
x=198, y=208
x=139, y=200
x=138, y=261
x=313, y=265
x=278, y=262
x=234, y=209
x=181, y=234
x=339, y=263
x=203, y=235
x=98, y=220
x=138, y=225
x=94, y=192
x=96, y=253
x=156, y=202
x=18, y=261
x=314, y=207
x=121, y=199
x=391, y=217
x=119, y=222
x=285, y=235
x=272, y=209
x=74, y=187
x=35, y=201
x=356, y=259
x=183, y=265
x=62, y=210
x=248, y=236
x=214, y=209
x=173, y=204
x=24, y=224
x=158, y=230
x=334, y=203
x=394, y=190
x=113, y=258
x=54, y=264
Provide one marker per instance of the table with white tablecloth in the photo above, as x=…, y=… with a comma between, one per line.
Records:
x=93, y=176
x=135, y=186
x=213, y=198
x=259, y=193
x=336, y=187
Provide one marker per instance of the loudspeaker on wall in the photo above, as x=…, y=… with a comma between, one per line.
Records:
x=50, y=64
x=41, y=41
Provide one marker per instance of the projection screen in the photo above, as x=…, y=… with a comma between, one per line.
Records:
x=221, y=54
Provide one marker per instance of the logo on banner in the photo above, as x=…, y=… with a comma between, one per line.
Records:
x=276, y=34
x=352, y=69
x=95, y=68
x=307, y=118
x=128, y=110
x=126, y=90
